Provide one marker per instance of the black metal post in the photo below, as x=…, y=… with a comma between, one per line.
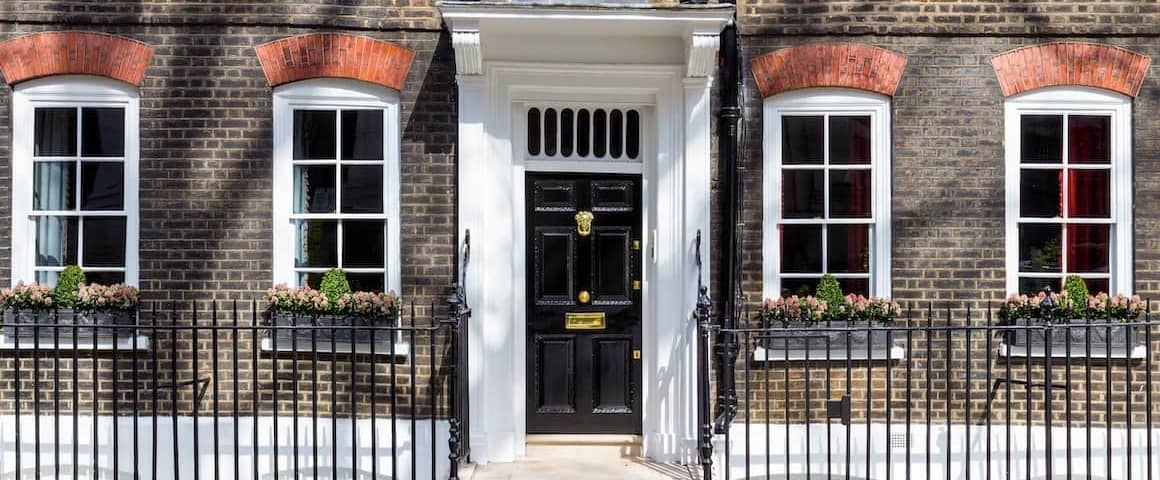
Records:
x=727, y=133
x=706, y=441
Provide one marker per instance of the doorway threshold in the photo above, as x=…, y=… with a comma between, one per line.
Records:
x=582, y=457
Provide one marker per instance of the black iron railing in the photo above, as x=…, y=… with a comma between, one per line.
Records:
x=222, y=393
x=939, y=394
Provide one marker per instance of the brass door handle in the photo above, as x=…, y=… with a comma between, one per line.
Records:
x=583, y=297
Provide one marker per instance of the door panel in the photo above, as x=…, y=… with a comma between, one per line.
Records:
x=584, y=305
x=613, y=196
x=554, y=196
x=554, y=253
x=554, y=371
x=613, y=389
x=611, y=268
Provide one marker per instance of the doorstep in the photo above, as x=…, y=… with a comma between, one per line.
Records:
x=582, y=457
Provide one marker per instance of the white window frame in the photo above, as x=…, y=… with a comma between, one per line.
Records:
x=70, y=91
x=1075, y=101
x=325, y=94
x=821, y=101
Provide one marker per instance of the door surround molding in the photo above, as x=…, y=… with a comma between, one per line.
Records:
x=508, y=54
x=676, y=205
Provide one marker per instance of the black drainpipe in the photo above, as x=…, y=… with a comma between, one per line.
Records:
x=727, y=132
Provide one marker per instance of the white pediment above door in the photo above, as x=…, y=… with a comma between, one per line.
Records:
x=626, y=33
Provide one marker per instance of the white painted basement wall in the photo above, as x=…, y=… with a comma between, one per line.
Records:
x=350, y=460
x=816, y=460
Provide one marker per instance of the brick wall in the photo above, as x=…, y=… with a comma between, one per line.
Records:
x=948, y=185
x=206, y=128
x=206, y=159
x=949, y=18
x=948, y=193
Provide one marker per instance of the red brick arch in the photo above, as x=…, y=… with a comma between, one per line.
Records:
x=82, y=53
x=1070, y=63
x=334, y=55
x=846, y=65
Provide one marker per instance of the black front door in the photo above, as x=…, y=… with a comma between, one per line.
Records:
x=584, y=310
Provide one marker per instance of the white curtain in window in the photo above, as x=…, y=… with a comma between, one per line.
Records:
x=51, y=193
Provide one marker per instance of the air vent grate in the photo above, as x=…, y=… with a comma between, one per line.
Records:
x=587, y=133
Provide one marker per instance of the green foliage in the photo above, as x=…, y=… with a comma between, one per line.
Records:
x=334, y=285
x=1047, y=257
x=830, y=292
x=1077, y=294
x=67, y=286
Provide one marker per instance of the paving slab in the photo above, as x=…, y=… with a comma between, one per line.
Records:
x=557, y=468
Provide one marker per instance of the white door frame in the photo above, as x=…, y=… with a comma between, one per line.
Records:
x=675, y=176
x=506, y=54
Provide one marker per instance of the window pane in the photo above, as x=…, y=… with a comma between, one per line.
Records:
x=104, y=241
x=362, y=134
x=56, y=241
x=850, y=140
x=1039, y=193
x=102, y=132
x=583, y=132
x=599, y=133
x=54, y=186
x=314, y=189
x=49, y=278
x=567, y=124
x=850, y=194
x=102, y=186
x=798, y=286
x=801, y=248
x=534, y=132
x=362, y=244
x=362, y=189
x=1039, y=248
x=1031, y=286
x=366, y=282
x=859, y=286
x=317, y=244
x=1096, y=285
x=1042, y=139
x=632, y=135
x=849, y=248
x=314, y=134
x=1089, y=139
x=1089, y=193
x=1088, y=248
x=801, y=193
x=55, y=132
x=105, y=278
x=550, y=132
x=615, y=133
x=801, y=140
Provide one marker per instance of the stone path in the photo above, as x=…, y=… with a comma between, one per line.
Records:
x=557, y=468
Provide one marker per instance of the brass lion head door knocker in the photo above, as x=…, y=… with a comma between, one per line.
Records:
x=584, y=223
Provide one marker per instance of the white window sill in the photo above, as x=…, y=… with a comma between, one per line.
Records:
x=380, y=348
x=1096, y=353
x=762, y=354
x=136, y=342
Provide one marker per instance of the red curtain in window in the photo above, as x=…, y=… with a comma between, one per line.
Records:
x=1088, y=197
x=860, y=190
x=1088, y=248
x=860, y=197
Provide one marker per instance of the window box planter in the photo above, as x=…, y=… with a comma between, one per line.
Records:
x=325, y=336
x=814, y=336
x=23, y=323
x=1099, y=337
